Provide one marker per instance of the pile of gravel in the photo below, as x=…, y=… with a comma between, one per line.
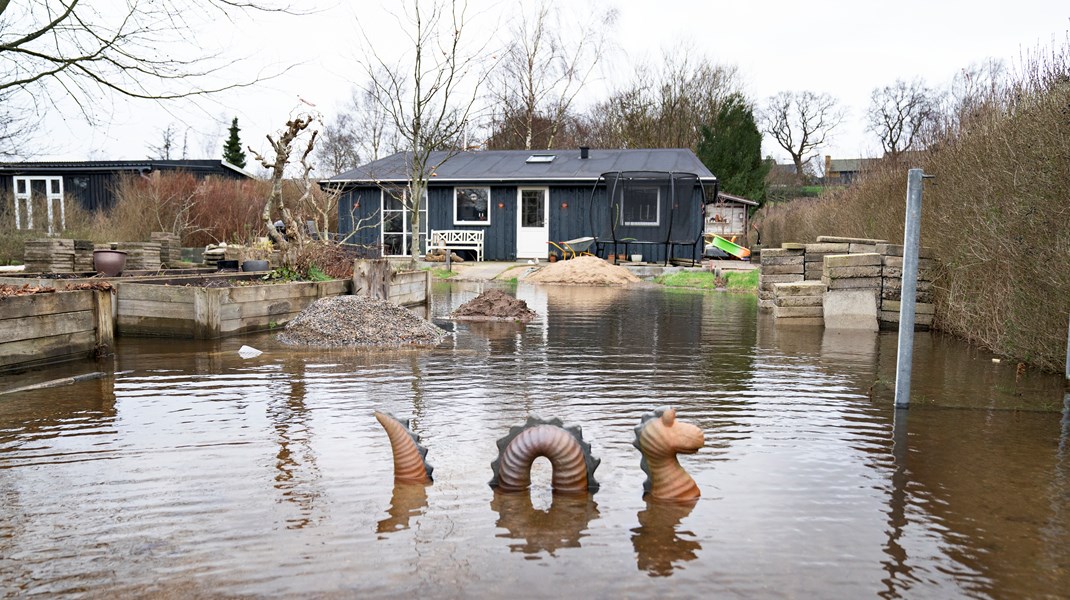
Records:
x=358, y=321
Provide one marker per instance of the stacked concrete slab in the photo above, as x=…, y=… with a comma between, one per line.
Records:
x=815, y=256
x=83, y=256
x=778, y=265
x=799, y=302
x=48, y=255
x=170, y=247
x=853, y=272
x=892, y=287
x=141, y=255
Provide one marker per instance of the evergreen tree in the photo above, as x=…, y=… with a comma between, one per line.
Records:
x=232, y=152
x=731, y=147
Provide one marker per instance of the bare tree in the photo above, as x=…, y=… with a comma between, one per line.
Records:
x=283, y=148
x=338, y=150
x=361, y=132
x=84, y=51
x=665, y=106
x=428, y=95
x=166, y=145
x=541, y=74
x=801, y=122
x=899, y=114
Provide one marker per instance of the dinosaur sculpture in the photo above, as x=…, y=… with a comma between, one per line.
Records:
x=570, y=457
x=659, y=437
x=410, y=458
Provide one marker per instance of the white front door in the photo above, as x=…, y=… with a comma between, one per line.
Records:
x=532, y=222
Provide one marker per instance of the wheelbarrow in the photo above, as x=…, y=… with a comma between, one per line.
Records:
x=573, y=248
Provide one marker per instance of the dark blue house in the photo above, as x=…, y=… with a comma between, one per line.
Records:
x=652, y=199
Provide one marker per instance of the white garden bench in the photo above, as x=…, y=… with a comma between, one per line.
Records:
x=457, y=239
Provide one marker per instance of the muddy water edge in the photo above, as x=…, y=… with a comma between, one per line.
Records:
x=190, y=471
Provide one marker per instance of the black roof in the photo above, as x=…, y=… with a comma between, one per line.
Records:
x=513, y=166
x=199, y=165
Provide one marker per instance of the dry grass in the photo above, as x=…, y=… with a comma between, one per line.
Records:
x=997, y=212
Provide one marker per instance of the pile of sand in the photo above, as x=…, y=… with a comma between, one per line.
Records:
x=494, y=305
x=583, y=270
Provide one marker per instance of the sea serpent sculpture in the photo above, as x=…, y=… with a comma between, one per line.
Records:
x=570, y=457
x=659, y=437
x=410, y=458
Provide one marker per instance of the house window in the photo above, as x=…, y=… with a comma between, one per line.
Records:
x=471, y=206
x=397, y=227
x=640, y=206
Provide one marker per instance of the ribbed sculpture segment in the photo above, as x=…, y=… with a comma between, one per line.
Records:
x=660, y=437
x=410, y=458
x=570, y=457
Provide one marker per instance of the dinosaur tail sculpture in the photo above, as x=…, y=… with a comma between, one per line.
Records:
x=570, y=457
x=659, y=437
x=410, y=458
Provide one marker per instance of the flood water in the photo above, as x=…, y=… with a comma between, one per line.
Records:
x=191, y=472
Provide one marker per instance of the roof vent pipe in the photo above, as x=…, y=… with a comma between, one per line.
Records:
x=585, y=152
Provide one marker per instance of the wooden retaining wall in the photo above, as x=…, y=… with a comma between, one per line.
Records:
x=376, y=278
x=152, y=310
x=44, y=328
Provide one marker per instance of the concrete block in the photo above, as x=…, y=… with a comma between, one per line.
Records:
x=850, y=309
x=801, y=288
x=897, y=273
x=796, y=312
x=897, y=294
x=776, y=252
x=789, y=278
x=799, y=300
x=783, y=269
x=828, y=248
x=868, y=259
x=892, y=316
x=897, y=250
x=793, y=246
x=853, y=283
x=848, y=240
x=845, y=272
x=862, y=248
x=765, y=305
x=772, y=261
x=765, y=294
x=920, y=308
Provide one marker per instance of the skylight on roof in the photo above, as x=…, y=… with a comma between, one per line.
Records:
x=541, y=158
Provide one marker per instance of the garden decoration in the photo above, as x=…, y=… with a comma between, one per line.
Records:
x=570, y=457
x=660, y=437
x=410, y=458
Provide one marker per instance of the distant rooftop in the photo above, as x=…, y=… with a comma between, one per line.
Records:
x=516, y=166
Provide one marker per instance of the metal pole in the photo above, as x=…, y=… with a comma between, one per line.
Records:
x=911, y=242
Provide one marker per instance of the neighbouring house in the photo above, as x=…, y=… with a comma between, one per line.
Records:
x=727, y=216
x=521, y=200
x=844, y=171
x=90, y=183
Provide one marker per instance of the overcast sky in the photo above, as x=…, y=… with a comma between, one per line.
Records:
x=844, y=48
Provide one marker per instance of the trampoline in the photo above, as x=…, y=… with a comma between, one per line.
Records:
x=653, y=213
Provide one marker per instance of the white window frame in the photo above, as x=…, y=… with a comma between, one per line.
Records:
x=405, y=221
x=51, y=196
x=657, y=207
x=457, y=221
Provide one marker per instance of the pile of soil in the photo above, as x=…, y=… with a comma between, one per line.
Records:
x=494, y=305
x=339, y=321
x=583, y=270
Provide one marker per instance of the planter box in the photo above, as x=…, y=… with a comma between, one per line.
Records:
x=157, y=310
x=376, y=278
x=67, y=279
x=44, y=328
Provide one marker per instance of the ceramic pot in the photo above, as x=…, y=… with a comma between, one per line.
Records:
x=637, y=258
x=109, y=262
x=255, y=265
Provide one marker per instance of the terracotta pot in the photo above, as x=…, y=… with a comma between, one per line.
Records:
x=255, y=265
x=553, y=258
x=109, y=262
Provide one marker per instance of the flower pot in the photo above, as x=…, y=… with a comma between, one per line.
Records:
x=255, y=265
x=109, y=262
x=637, y=258
x=553, y=258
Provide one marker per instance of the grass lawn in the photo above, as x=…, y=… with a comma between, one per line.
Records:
x=704, y=280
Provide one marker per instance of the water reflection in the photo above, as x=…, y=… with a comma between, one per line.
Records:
x=562, y=525
x=658, y=542
x=409, y=500
x=297, y=475
x=896, y=563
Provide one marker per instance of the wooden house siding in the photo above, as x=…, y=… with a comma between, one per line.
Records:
x=570, y=217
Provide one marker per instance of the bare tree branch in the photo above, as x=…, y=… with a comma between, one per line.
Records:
x=801, y=122
x=899, y=113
